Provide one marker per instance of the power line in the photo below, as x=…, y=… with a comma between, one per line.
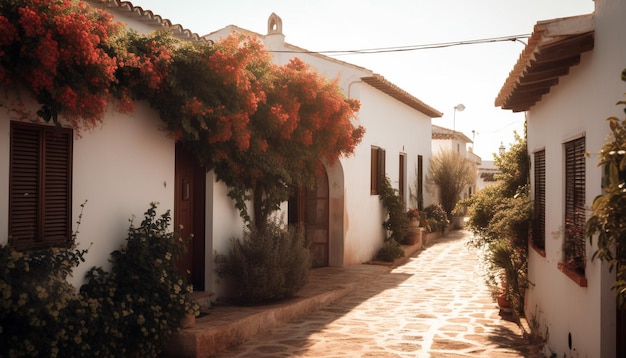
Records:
x=412, y=47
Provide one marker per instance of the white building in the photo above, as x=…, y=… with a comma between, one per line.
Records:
x=128, y=162
x=567, y=79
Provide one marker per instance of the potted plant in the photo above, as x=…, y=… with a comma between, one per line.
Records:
x=414, y=231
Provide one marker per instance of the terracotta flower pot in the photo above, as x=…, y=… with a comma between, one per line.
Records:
x=414, y=234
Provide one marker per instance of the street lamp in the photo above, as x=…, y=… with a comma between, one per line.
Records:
x=459, y=107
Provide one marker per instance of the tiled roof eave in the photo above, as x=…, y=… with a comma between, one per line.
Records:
x=128, y=9
x=383, y=85
x=554, y=47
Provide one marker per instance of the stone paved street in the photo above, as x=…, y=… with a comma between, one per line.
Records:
x=435, y=305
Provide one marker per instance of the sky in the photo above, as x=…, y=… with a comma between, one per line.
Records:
x=469, y=74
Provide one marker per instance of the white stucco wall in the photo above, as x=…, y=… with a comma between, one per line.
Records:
x=577, y=106
x=396, y=128
x=119, y=168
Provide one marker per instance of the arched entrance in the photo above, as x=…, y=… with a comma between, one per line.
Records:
x=310, y=206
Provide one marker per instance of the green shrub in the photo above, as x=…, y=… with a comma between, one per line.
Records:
x=390, y=251
x=38, y=306
x=397, y=221
x=266, y=264
x=129, y=311
x=437, y=217
x=144, y=297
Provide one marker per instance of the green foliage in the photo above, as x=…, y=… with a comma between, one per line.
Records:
x=397, y=221
x=127, y=312
x=144, y=297
x=499, y=216
x=451, y=173
x=437, y=217
x=38, y=306
x=608, y=220
x=267, y=264
x=390, y=251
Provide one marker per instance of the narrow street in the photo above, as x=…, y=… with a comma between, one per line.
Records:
x=435, y=305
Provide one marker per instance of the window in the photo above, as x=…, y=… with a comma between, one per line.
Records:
x=539, y=221
x=39, y=186
x=420, y=182
x=377, y=170
x=574, y=226
x=402, y=175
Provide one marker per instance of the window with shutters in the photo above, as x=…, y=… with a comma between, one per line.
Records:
x=40, y=178
x=539, y=221
x=574, y=220
x=377, y=170
x=402, y=175
x=420, y=182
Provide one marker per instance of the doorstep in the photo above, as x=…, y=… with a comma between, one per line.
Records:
x=226, y=326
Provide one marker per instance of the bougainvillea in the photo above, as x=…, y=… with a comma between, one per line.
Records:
x=210, y=93
x=56, y=50
x=260, y=126
x=305, y=118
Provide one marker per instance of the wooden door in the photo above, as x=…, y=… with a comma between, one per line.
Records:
x=189, y=214
x=310, y=207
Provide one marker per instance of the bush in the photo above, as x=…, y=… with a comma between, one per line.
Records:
x=266, y=264
x=144, y=297
x=397, y=221
x=127, y=312
x=437, y=217
x=38, y=306
x=390, y=251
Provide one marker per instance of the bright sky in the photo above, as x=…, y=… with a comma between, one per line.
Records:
x=442, y=78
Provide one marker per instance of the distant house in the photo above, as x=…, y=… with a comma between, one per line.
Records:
x=347, y=229
x=128, y=162
x=567, y=79
x=451, y=140
x=487, y=171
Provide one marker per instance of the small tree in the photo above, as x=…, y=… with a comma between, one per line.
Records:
x=499, y=217
x=451, y=173
x=608, y=220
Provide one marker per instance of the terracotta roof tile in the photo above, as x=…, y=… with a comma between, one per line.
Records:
x=552, y=49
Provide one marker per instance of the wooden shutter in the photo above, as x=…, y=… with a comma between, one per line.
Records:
x=381, y=169
x=39, y=186
x=420, y=182
x=539, y=222
x=402, y=175
x=56, y=201
x=374, y=171
x=24, y=179
x=575, y=199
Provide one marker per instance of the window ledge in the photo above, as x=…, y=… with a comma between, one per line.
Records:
x=573, y=275
x=540, y=251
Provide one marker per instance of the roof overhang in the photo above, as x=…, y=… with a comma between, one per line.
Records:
x=127, y=9
x=554, y=47
x=380, y=83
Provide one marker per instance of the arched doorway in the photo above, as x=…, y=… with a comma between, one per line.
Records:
x=310, y=206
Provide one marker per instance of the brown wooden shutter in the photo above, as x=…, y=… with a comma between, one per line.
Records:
x=401, y=175
x=40, y=186
x=381, y=169
x=420, y=182
x=574, y=245
x=56, y=203
x=24, y=178
x=374, y=171
x=539, y=223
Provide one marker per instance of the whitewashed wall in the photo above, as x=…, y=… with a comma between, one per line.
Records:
x=397, y=128
x=119, y=168
x=577, y=106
